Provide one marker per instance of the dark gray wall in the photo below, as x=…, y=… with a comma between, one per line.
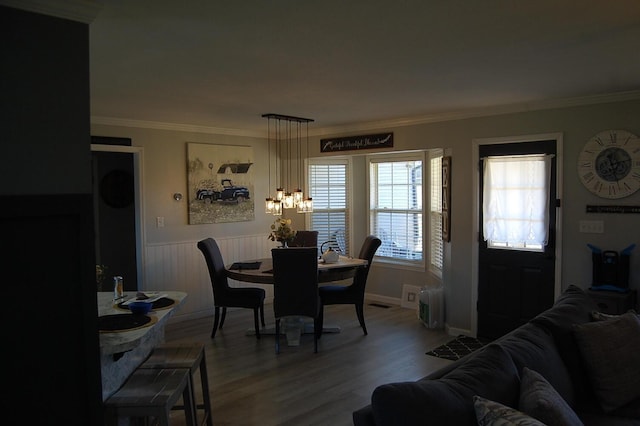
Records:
x=50, y=336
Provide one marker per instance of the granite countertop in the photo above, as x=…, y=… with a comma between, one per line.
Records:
x=122, y=341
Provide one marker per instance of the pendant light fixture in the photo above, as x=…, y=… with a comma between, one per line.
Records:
x=285, y=132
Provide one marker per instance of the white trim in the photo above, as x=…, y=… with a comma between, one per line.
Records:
x=558, y=137
x=481, y=112
x=385, y=124
x=138, y=174
x=370, y=297
x=190, y=128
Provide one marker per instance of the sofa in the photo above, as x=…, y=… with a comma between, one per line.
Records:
x=568, y=365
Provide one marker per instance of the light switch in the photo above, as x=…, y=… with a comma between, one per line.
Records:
x=160, y=222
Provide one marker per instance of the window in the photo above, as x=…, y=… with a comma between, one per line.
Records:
x=515, y=201
x=329, y=188
x=435, y=207
x=395, y=206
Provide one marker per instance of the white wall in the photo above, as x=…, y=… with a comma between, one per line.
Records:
x=165, y=173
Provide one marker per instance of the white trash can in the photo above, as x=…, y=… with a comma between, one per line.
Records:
x=431, y=307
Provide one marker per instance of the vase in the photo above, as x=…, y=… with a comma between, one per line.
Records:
x=284, y=243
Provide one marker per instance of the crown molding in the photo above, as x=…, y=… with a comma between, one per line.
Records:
x=75, y=10
x=391, y=123
x=480, y=112
x=110, y=121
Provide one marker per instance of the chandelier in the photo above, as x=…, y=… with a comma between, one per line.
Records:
x=286, y=137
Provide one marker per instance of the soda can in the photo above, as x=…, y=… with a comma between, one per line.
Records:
x=118, y=288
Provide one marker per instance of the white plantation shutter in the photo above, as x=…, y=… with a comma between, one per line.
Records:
x=329, y=186
x=435, y=205
x=396, y=214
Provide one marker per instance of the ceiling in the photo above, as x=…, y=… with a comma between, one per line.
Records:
x=222, y=64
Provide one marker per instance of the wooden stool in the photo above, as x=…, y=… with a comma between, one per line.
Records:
x=152, y=393
x=185, y=356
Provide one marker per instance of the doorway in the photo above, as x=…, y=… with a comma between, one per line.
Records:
x=117, y=216
x=515, y=283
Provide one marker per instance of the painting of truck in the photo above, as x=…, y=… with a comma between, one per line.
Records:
x=220, y=183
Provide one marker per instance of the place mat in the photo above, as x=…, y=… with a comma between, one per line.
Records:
x=162, y=303
x=245, y=265
x=457, y=348
x=118, y=323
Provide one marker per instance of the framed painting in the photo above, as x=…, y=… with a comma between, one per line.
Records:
x=220, y=181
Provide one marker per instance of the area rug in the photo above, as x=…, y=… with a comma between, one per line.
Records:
x=457, y=348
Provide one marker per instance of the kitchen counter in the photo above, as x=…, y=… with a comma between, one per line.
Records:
x=121, y=352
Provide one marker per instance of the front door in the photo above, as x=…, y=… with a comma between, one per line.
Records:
x=514, y=284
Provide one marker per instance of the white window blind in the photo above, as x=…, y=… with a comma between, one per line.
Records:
x=515, y=201
x=435, y=204
x=329, y=186
x=396, y=214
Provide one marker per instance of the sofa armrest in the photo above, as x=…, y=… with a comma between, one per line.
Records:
x=363, y=417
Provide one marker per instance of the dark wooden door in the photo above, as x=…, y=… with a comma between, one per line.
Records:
x=515, y=285
x=115, y=216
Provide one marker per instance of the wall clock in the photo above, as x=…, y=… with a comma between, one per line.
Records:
x=609, y=164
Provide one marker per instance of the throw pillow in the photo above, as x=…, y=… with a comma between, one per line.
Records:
x=491, y=413
x=540, y=400
x=610, y=352
x=572, y=307
x=601, y=316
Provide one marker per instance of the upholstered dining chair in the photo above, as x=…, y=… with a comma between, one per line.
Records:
x=295, y=287
x=353, y=294
x=225, y=296
x=305, y=239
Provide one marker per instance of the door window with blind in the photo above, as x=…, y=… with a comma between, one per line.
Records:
x=329, y=188
x=396, y=213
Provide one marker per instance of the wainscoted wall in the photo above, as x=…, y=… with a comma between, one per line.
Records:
x=180, y=266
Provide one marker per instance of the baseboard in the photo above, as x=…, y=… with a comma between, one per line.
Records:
x=382, y=299
x=453, y=331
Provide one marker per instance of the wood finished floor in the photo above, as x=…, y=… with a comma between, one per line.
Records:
x=251, y=385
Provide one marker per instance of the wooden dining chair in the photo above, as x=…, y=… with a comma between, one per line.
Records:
x=305, y=239
x=295, y=287
x=353, y=294
x=225, y=296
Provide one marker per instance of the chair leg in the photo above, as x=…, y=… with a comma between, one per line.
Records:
x=189, y=401
x=317, y=322
x=224, y=315
x=256, y=325
x=262, y=314
x=360, y=314
x=320, y=321
x=204, y=379
x=277, y=335
x=216, y=321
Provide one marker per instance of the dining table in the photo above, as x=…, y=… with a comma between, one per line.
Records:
x=126, y=340
x=260, y=271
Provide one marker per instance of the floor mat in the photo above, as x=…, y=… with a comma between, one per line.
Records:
x=457, y=348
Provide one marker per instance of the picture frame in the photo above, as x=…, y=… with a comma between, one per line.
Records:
x=220, y=183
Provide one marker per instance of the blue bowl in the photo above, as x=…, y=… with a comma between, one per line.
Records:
x=140, y=307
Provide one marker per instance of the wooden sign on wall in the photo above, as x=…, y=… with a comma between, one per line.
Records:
x=349, y=143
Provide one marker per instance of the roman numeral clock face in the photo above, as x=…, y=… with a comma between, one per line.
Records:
x=609, y=164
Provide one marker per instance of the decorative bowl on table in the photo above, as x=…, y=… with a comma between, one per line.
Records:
x=140, y=307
